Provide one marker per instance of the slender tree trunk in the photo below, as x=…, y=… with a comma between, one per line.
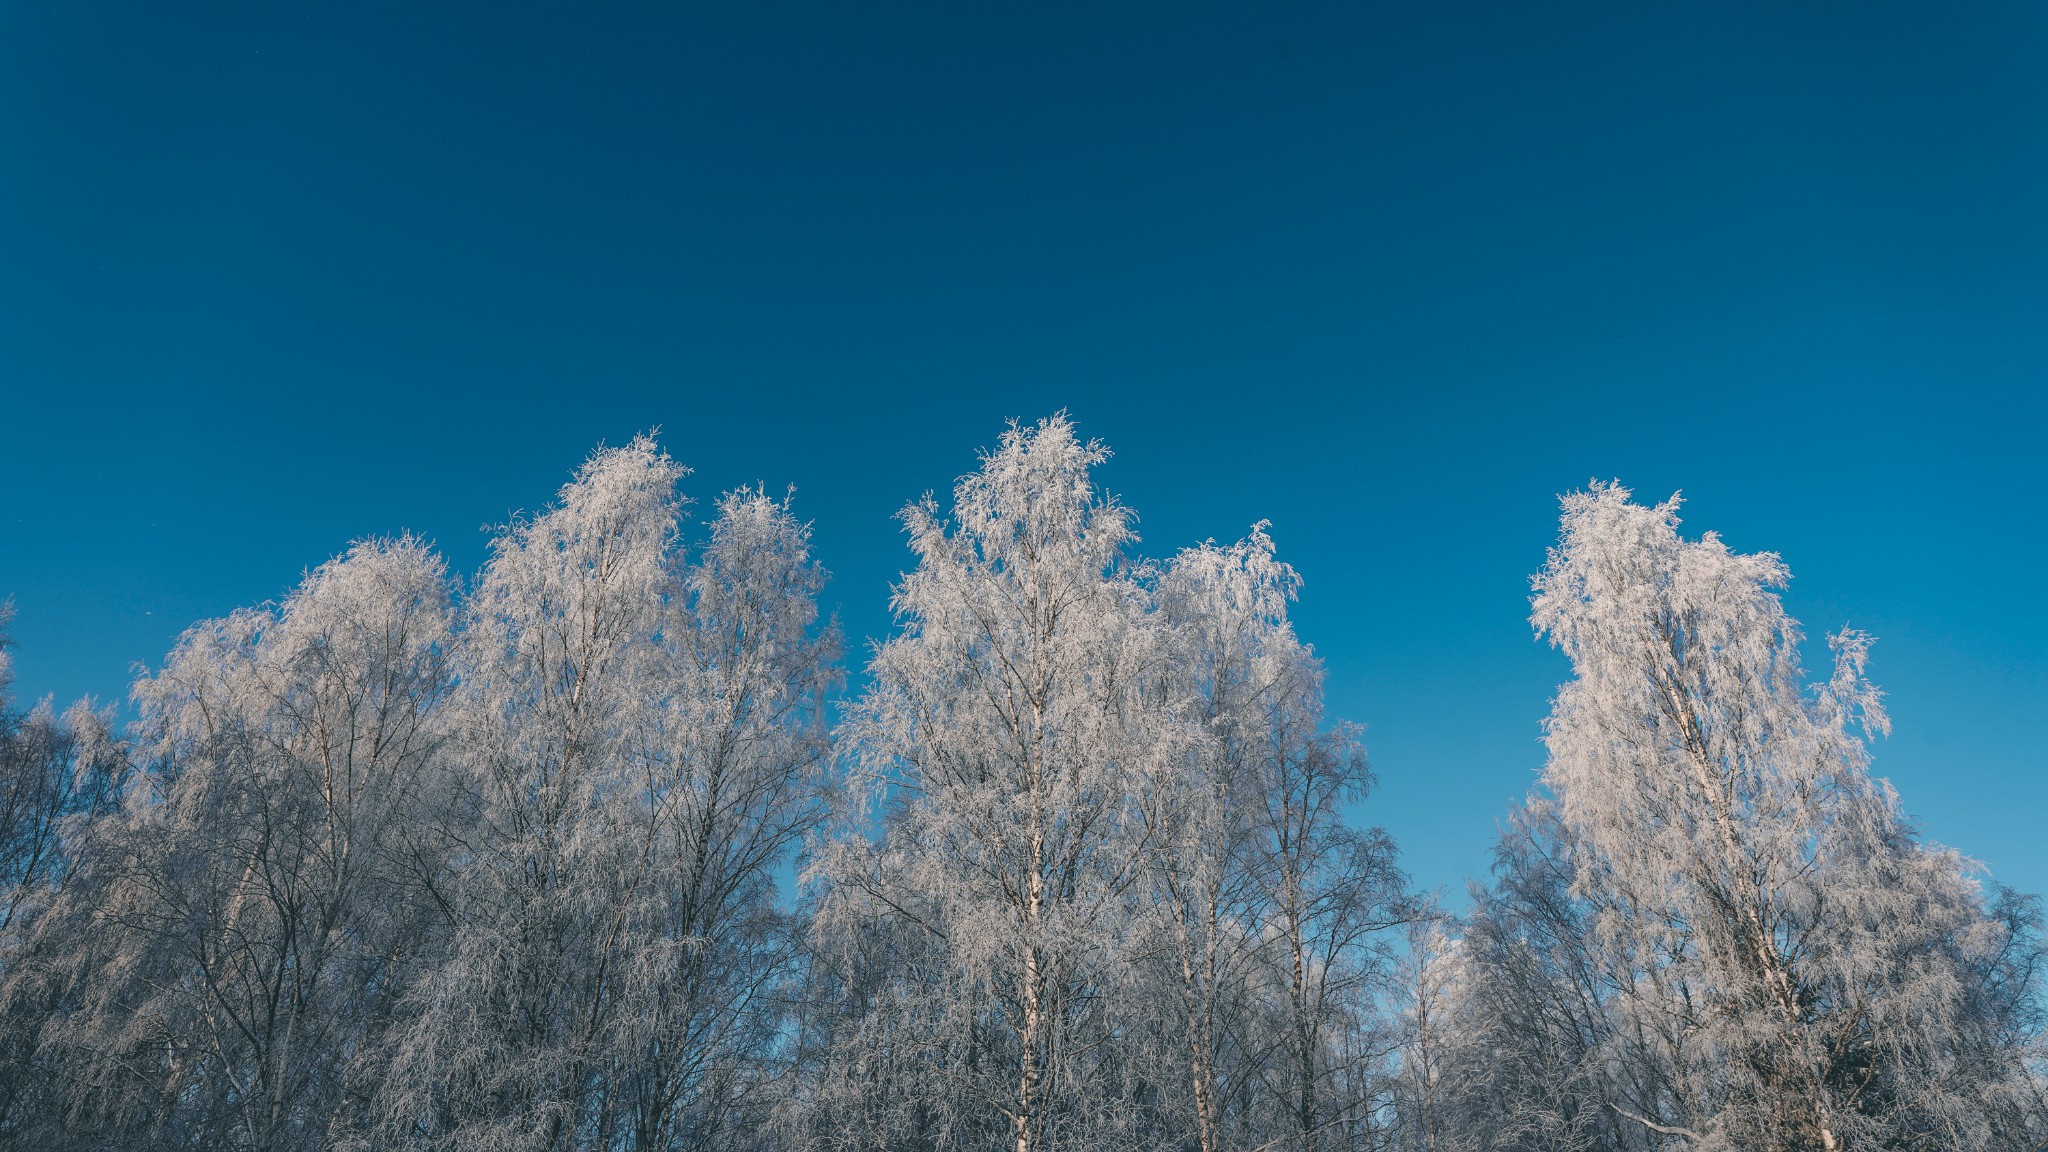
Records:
x=1202, y=1044
x=1030, y=1076
x=1304, y=1043
x=1773, y=969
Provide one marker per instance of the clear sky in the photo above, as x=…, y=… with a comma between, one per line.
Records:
x=275, y=276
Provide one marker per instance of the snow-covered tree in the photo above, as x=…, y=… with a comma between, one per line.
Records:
x=55, y=772
x=1230, y=660
x=1109, y=897
x=1427, y=973
x=1813, y=974
x=58, y=775
x=738, y=780
x=1335, y=892
x=219, y=968
x=1005, y=734
x=1527, y=1054
x=1268, y=906
x=641, y=739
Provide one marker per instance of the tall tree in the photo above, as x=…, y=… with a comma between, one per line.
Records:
x=1230, y=658
x=55, y=773
x=1334, y=892
x=58, y=775
x=1005, y=731
x=1531, y=1053
x=555, y=664
x=737, y=779
x=641, y=739
x=220, y=967
x=1833, y=982
x=1267, y=903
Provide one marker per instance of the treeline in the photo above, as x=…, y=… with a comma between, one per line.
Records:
x=567, y=856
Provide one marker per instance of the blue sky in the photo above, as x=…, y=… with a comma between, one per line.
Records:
x=273, y=277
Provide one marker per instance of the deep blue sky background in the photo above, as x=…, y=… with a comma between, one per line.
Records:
x=277, y=276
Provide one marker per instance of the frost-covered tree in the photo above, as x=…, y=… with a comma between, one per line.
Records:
x=58, y=774
x=1108, y=897
x=1267, y=905
x=1335, y=892
x=1427, y=974
x=1527, y=1055
x=737, y=781
x=641, y=739
x=555, y=662
x=1005, y=736
x=1230, y=660
x=55, y=773
x=219, y=968
x=1810, y=975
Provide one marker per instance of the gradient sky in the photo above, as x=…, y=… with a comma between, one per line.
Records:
x=273, y=277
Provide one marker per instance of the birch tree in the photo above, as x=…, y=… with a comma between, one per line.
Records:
x=1427, y=972
x=1830, y=976
x=641, y=738
x=58, y=775
x=737, y=781
x=218, y=970
x=1334, y=892
x=1230, y=656
x=555, y=665
x=56, y=772
x=1530, y=1050
x=1268, y=903
x=1004, y=734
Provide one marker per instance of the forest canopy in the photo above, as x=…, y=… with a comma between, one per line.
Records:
x=591, y=849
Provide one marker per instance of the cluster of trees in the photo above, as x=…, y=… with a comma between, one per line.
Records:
x=569, y=857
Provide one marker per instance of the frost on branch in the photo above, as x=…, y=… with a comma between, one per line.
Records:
x=567, y=858
x=1746, y=945
x=1108, y=899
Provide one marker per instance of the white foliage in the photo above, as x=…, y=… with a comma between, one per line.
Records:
x=1004, y=728
x=1110, y=854
x=235, y=937
x=1760, y=891
x=384, y=866
x=641, y=736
